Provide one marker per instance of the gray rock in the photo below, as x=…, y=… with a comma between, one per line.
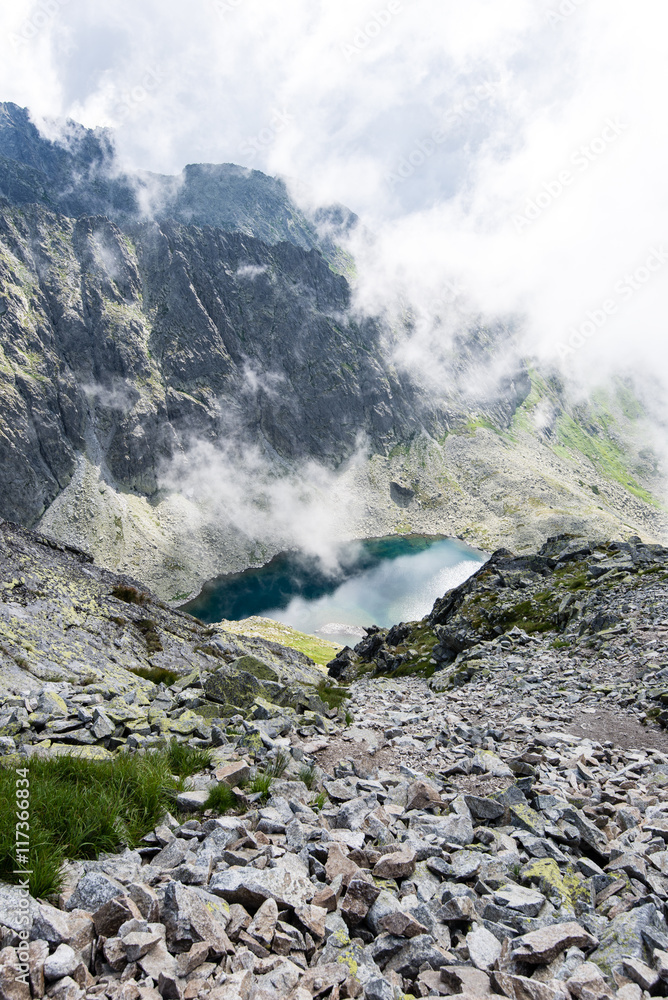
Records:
x=528, y=902
x=138, y=943
x=640, y=973
x=379, y=989
x=543, y=946
x=484, y=948
x=251, y=887
x=92, y=890
x=352, y=814
x=192, y=801
x=483, y=809
x=623, y=937
x=173, y=854
x=451, y=829
x=63, y=962
x=465, y=864
x=526, y=818
x=417, y=952
x=191, y=915
x=15, y=907
x=12, y=984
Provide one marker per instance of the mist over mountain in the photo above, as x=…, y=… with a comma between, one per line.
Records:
x=184, y=358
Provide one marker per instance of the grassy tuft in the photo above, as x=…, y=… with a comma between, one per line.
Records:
x=318, y=803
x=308, y=775
x=260, y=784
x=185, y=760
x=80, y=807
x=279, y=765
x=130, y=595
x=221, y=799
x=156, y=674
x=333, y=695
x=349, y=719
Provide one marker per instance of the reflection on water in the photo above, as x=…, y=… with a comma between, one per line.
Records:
x=378, y=582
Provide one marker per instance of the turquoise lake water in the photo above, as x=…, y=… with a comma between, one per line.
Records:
x=378, y=582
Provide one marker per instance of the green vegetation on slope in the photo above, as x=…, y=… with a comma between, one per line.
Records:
x=319, y=650
x=80, y=807
x=601, y=430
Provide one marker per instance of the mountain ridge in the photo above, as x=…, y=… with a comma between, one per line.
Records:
x=141, y=356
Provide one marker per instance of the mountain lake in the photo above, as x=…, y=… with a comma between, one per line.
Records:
x=378, y=581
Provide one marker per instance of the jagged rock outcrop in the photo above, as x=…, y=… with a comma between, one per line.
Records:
x=134, y=343
x=66, y=621
x=583, y=596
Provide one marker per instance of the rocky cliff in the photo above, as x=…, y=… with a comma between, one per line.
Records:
x=150, y=324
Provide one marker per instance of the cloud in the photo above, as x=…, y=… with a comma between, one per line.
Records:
x=530, y=132
x=251, y=271
x=234, y=485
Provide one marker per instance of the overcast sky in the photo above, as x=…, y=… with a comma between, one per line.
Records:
x=516, y=149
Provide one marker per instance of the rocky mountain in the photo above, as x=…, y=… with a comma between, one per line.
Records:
x=491, y=822
x=76, y=174
x=149, y=323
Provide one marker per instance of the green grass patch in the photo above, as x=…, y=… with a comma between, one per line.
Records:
x=474, y=424
x=80, y=807
x=318, y=650
x=414, y=668
x=260, y=784
x=333, y=695
x=604, y=454
x=317, y=803
x=279, y=765
x=308, y=775
x=156, y=674
x=221, y=799
x=185, y=760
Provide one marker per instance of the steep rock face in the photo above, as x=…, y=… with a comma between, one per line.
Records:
x=77, y=174
x=138, y=341
x=142, y=316
x=62, y=618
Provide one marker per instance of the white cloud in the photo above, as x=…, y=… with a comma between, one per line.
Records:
x=365, y=83
x=233, y=485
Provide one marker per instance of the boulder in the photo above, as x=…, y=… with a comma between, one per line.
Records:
x=252, y=886
x=544, y=945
